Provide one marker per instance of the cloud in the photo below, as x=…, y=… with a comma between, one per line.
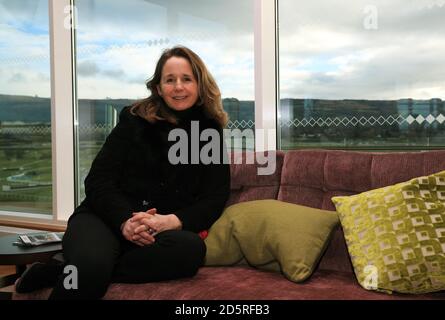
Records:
x=17, y=77
x=87, y=69
x=232, y=70
x=325, y=50
x=24, y=10
x=137, y=79
x=93, y=88
x=22, y=46
x=119, y=44
x=17, y=80
x=327, y=53
x=223, y=41
x=212, y=11
x=91, y=69
x=159, y=17
x=42, y=77
x=221, y=54
x=114, y=73
x=389, y=74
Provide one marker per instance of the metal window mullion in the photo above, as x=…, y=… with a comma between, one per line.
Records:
x=265, y=72
x=62, y=119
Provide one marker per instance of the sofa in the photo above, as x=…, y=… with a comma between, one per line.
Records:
x=305, y=177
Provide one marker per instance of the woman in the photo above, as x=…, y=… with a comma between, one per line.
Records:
x=142, y=214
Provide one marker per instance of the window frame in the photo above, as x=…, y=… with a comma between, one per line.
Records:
x=62, y=125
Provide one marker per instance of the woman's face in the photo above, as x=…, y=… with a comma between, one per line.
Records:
x=178, y=86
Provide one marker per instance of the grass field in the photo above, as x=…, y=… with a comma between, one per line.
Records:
x=25, y=177
x=26, y=171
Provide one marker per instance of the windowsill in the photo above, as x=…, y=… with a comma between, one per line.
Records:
x=30, y=223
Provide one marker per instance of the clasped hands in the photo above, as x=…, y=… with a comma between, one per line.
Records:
x=143, y=226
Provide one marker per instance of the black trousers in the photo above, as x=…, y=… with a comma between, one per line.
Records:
x=102, y=257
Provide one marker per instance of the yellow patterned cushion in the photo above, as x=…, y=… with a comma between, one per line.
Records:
x=396, y=235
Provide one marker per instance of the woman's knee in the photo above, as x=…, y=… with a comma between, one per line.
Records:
x=87, y=229
x=196, y=247
x=189, y=242
x=89, y=239
x=190, y=249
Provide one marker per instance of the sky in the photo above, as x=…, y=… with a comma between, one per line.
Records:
x=24, y=48
x=380, y=49
x=329, y=49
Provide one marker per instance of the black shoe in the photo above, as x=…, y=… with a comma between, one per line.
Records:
x=38, y=276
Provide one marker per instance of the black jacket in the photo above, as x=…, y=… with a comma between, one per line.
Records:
x=132, y=173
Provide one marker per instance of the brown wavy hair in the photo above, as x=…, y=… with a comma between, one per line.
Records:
x=154, y=108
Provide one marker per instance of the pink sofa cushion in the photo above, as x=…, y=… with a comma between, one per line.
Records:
x=244, y=283
x=247, y=185
x=313, y=177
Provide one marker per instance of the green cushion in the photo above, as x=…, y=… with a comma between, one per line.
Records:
x=271, y=235
x=396, y=235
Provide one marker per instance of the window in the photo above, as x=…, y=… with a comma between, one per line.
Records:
x=355, y=75
x=362, y=75
x=25, y=107
x=119, y=42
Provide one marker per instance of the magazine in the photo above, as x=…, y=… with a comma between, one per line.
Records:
x=38, y=239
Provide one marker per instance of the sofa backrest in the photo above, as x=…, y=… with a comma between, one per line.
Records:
x=246, y=184
x=313, y=177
